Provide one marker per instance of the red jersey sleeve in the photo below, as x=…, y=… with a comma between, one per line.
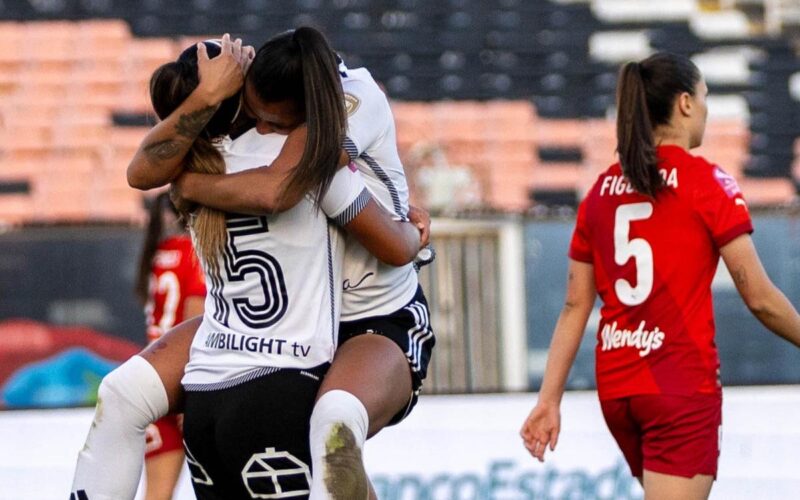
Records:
x=721, y=205
x=194, y=282
x=579, y=248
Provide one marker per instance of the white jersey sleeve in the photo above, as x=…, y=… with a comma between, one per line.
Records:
x=367, y=113
x=346, y=197
x=371, y=141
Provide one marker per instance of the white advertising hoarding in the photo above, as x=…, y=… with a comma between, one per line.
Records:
x=467, y=447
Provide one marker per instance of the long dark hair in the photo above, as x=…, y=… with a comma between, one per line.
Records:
x=646, y=93
x=153, y=235
x=170, y=85
x=299, y=65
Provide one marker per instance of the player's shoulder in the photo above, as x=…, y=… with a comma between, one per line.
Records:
x=704, y=171
x=691, y=165
x=707, y=178
x=360, y=87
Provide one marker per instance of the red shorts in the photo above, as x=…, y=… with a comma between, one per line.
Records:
x=163, y=436
x=675, y=435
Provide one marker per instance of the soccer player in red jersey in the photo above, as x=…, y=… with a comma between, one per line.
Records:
x=648, y=238
x=171, y=286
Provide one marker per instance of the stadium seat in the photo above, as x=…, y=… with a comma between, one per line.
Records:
x=568, y=75
x=621, y=11
x=727, y=24
x=619, y=46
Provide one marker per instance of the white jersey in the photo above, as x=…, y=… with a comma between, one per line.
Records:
x=372, y=288
x=274, y=300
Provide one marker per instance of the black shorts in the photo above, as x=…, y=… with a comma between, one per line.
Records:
x=251, y=440
x=409, y=327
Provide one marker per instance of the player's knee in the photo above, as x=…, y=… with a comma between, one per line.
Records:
x=134, y=390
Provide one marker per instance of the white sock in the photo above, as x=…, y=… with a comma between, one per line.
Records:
x=334, y=409
x=110, y=463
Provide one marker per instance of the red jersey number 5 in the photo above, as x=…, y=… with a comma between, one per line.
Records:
x=638, y=248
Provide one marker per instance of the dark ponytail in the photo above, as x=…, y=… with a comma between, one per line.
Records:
x=301, y=66
x=646, y=93
x=154, y=233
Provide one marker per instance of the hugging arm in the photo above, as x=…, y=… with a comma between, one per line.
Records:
x=256, y=191
x=391, y=241
x=160, y=156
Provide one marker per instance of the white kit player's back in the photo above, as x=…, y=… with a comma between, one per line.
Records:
x=274, y=300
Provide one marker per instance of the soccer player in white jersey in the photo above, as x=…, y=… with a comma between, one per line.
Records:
x=375, y=379
x=271, y=315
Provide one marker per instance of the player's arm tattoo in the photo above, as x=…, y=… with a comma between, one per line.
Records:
x=739, y=276
x=189, y=126
x=163, y=150
x=569, y=302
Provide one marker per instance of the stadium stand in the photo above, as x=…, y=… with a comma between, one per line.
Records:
x=528, y=87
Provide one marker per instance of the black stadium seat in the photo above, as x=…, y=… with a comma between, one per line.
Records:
x=468, y=49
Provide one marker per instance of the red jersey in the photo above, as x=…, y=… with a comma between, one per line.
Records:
x=654, y=261
x=176, y=274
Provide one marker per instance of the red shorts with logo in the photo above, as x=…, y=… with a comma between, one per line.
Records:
x=675, y=435
x=163, y=436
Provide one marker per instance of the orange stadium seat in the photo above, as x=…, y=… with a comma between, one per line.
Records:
x=559, y=132
x=59, y=91
x=15, y=208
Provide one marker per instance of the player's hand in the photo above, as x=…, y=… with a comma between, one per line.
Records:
x=541, y=429
x=422, y=220
x=223, y=75
x=176, y=195
x=152, y=438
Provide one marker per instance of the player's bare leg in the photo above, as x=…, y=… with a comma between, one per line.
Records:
x=169, y=356
x=161, y=474
x=368, y=383
x=659, y=486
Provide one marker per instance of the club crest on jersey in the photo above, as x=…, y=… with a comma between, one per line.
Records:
x=646, y=341
x=351, y=103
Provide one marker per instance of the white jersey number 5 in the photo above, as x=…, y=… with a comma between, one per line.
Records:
x=259, y=266
x=638, y=248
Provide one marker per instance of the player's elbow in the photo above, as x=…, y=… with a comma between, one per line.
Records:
x=397, y=259
x=266, y=204
x=759, y=306
x=394, y=256
x=137, y=179
x=761, y=301
x=755, y=305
